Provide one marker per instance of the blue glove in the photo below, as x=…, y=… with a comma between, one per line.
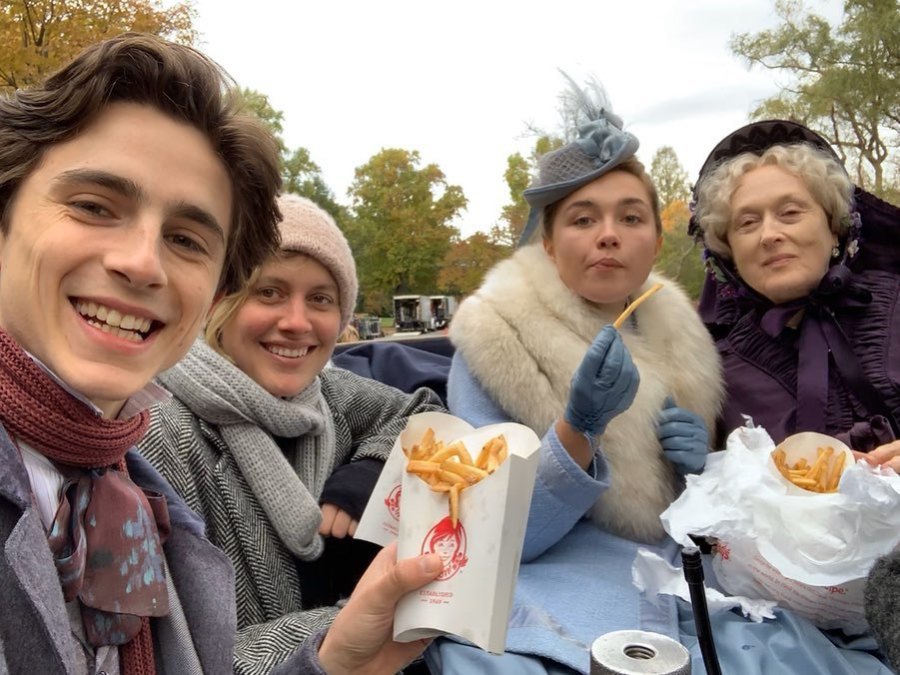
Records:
x=684, y=438
x=604, y=384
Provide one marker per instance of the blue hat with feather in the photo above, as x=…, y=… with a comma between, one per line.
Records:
x=601, y=146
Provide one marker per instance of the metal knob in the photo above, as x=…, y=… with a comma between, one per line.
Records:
x=637, y=652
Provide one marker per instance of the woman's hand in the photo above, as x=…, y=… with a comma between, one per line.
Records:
x=360, y=639
x=684, y=438
x=604, y=385
x=336, y=523
x=887, y=455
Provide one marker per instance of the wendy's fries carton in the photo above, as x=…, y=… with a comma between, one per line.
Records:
x=802, y=533
x=478, y=533
x=380, y=521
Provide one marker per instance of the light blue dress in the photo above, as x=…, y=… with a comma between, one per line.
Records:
x=575, y=585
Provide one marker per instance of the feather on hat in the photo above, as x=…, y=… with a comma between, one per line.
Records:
x=601, y=146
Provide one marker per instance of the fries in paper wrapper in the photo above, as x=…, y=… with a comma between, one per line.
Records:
x=464, y=494
x=800, y=524
x=811, y=462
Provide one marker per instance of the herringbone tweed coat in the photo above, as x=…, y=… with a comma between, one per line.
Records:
x=273, y=621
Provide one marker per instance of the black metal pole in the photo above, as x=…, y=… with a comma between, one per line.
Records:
x=693, y=574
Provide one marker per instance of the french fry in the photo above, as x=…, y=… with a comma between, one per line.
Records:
x=502, y=449
x=823, y=475
x=453, y=450
x=454, y=505
x=449, y=477
x=481, y=462
x=470, y=474
x=634, y=305
x=780, y=460
x=450, y=468
x=423, y=449
x=420, y=466
x=836, y=470
x=462, y=453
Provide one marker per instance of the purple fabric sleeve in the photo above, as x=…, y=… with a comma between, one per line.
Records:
x=867, y=435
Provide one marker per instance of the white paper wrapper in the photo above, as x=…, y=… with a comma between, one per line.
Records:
x=810, y=552
x=654, y=576
x=473, y=596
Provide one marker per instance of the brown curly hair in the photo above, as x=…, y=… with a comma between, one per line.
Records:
x=176, y=80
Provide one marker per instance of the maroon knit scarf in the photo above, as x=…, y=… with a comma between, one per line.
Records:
x=34, y=408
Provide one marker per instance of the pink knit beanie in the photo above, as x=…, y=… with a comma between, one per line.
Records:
x=308, y=229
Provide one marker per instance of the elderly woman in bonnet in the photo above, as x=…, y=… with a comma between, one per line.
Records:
x=802, y=297
x=260, y=433
x=804, y=289
x=623, y=412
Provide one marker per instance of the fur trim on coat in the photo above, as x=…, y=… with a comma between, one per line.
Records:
x=524, y=333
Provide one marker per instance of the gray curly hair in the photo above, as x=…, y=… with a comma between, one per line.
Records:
x=823, y=175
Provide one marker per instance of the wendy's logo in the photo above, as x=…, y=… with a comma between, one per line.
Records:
x=723, y=550
x=449, y=543
x=392, y=502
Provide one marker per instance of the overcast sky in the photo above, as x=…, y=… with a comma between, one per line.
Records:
x=460, y=82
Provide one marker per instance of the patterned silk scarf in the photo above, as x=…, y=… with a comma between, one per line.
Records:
x=107, y=534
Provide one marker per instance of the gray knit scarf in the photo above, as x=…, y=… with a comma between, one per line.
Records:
x=248, y=416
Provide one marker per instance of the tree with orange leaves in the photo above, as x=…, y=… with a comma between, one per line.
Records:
x=38, y=36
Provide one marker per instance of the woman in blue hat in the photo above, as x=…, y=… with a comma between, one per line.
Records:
x=623, y=413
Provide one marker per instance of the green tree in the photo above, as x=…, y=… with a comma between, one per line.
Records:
x=669, y=176
x=544, y=144
x=514, y=215
x=258, y=104
x=39, y=36
x=302, y=176
x=467, y=261
x=681, y=258
x=519, y=171
x=400, y=231
x=844, y=81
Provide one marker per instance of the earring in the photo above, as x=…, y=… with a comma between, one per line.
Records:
x=835, y=252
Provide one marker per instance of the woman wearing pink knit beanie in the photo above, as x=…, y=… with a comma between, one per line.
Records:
x=307, y=228
x=278, y=453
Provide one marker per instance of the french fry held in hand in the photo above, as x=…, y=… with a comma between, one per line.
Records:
x=450, y=469
x=823, y=475
x=634, y=305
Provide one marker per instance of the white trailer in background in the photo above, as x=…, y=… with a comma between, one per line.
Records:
x=412, y=313
x=443, y=307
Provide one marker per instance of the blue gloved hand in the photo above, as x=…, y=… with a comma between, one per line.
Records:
x=684, y=438
x=604, y=384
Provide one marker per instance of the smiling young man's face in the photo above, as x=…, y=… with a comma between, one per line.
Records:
x=113, y=251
